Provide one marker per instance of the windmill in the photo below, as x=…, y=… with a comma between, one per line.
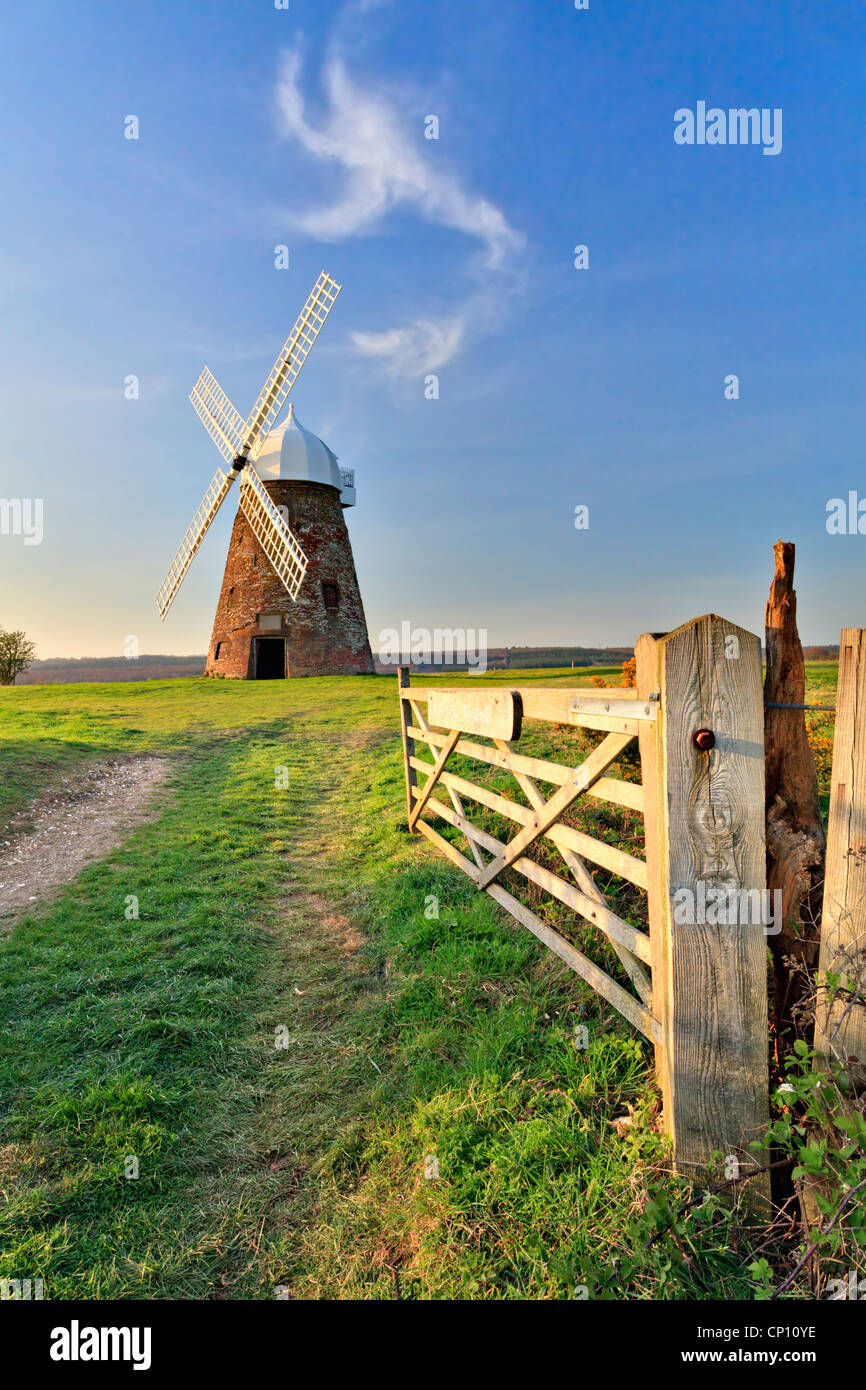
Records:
x=290, y=603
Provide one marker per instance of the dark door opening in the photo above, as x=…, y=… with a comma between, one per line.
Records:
x=270, y=658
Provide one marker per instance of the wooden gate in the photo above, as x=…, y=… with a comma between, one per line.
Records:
x=698, y=988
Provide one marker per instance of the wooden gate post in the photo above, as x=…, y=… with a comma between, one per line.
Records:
x=704, y=833
x=840, y=1025
x=408, y=743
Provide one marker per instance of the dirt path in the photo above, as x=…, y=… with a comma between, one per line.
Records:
x=48, y=843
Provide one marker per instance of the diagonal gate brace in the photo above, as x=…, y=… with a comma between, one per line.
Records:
x=444, y=754
x=580, y=781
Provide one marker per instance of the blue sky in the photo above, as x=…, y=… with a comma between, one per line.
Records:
x=557, y=387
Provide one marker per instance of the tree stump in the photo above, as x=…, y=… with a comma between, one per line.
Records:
x=795, y=834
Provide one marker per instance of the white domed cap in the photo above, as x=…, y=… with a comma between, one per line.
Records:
x=290, y=451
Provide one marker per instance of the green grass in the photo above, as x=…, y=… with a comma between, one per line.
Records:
x=821, y=679
x=304, y=916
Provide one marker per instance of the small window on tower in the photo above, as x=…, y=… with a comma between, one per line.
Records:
x=331, y=595
x=218, y=648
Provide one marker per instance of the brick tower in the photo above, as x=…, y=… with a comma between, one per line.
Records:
x=259, y=632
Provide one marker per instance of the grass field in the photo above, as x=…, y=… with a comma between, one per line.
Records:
x=287, y=1036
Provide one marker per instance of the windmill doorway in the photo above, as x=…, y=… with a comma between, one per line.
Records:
x=270, y=658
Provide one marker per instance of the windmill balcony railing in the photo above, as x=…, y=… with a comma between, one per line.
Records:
x=347, y=493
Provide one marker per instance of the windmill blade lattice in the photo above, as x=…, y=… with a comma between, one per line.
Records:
x=213, y=500
x=224, y=424
x=272, y=533
x=296, y=350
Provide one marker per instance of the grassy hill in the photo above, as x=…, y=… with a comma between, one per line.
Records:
x=287, y=1035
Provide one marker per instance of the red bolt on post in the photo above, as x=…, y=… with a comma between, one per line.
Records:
x=704, y=739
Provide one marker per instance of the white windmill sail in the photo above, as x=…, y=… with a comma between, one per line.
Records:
x=272, y=533
x=296, y=350
x=223, y=423
x=213, y=500
x=240, y=442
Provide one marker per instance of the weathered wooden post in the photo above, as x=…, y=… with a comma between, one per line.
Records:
x=408, y=743
x=840, y=1025
x=795, y=834
x=703, y=772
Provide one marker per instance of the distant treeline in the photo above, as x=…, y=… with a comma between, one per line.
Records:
x=565, y=656
x=821, y=653
x=517, y=658
x=70, y=670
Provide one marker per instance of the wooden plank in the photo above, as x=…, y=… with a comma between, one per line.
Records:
x=550, y=704
x=616, y=716
x=608, y=856
x=581, y=778
x=647, y=662
x=601, y=982
x=408, y=740
x=618, y=861
x=601, y=916
x=492, y=713
x=840, y=1028
x=628, y=794
x=423, y=796
x=600, y=704
x=706, y=825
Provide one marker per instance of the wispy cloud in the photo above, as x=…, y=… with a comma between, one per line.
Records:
x=417, y=348
x=386, y=167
